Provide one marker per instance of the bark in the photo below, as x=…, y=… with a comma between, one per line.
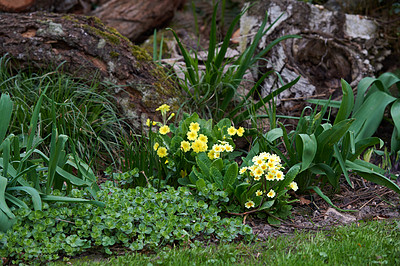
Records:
x=85, y=47
x=334, y=45
x=136, y=19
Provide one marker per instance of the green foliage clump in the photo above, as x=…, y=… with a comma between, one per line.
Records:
x=137, y=219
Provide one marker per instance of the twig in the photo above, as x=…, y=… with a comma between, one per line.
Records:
x=64, y=221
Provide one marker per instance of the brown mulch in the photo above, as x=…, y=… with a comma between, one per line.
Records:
x=367, y=201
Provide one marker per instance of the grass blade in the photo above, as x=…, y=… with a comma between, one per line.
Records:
x=347, y=103
x=6, y=107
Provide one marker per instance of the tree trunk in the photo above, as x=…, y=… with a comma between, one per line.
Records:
x=136, y=19
x=333, y=45
x=85, y=47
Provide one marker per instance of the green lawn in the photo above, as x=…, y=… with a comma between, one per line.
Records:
x=358, y=244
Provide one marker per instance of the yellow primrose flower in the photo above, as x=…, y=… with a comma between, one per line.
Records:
x=217, y=148
x=199, y=146
x=279, y=175
x=166, y=161
x=249, y=204
x=264, y=166
x=162, y=152
x=258, y=193
x=148, y=122
x=240, y=131
x=171, y=115
x=293, y=186
x=185, y=146
x=228, y=148
x=203, y=138
x=164, y=130
x=270, y=176
x=183, y=173
x=163, y=108
x=217, y=155
x=232, y=131
x=155, y=147
x=258, y=172
x=211, y=154
x=194, y=126
x=265, y=155
x=191, y=135
x=271, y=193
x=242, y=170
x=257, y=178
x=222, y=147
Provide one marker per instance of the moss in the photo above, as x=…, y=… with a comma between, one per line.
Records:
x=140, y=54
x=108, y=36
x=114, y=54
x=115, y=32
x=70, y=18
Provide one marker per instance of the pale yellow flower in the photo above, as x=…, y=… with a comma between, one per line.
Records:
x=232, y=131
x=258, y=193
x=271, y=193
x=155, y=147
x=194, y=126
x=211, y=154
x=264, y=166
x=163, y=108
x=162, y=152
x=217, y=155
x=199, y=146
x=293, y=186
x=240, y=131
x=191, y=135
x=249, y=204
x=185, y=146
x=164, y=130
x=228, y=148
x=270, y=176
x=203, y=138
x=242, y=170
x=217, y=148
x=258, y=172
x=257, y=178
x=279, y=175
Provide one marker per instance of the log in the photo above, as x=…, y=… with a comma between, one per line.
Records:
x=137, y=19
x=334, y=45
x=15, y=6
x=86, y=46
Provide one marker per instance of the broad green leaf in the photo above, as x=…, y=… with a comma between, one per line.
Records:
x=217, y=177
x=240, y=190
x=200, y=184
x=370, y=114
x=230, y=175
x=362, y=87
x=274, y=134
x=290, y=176
x=267, y=205
x=218, y=163
x=54, y=158
x=5, y=222
x=329, y=137
x=6, y=107
x=371, y=175
x=346, y=106
x=363, y=144
x=395, y=113
x=6, y=156
x=324, y=169
x=307, y=149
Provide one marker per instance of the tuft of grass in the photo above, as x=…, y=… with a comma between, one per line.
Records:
x=363, y=243
x=84, y=110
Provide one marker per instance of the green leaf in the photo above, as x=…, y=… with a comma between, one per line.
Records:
x=395, y=113
x=363, y=144
x=73, y=200
x=371, y=175
x=274, y=134
x=3, y=205
x=347, y=104
x=200, y=184
x=340, y=159
x=327, y=199
x=370, y=114
x=324, y=169
x=307, y=150
x=217, y=177
x=267, y=205
x=56, y=149
x=218, y=163
x=6, y=107
x=230, y=175
x=36, y=200
x=273, y=221
x=290, y=176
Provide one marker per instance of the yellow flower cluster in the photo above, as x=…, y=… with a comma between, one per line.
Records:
x=199, y=141
x=267, y=165
x=232, y=131
x=216, y=150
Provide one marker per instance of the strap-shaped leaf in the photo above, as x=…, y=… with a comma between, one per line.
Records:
x=6, y=106
x=347, y=104
x=342, y=164
x=3, y=204
x=371, y=175
x=36, y=200
x=327, y=199
x=73, y=200
x=395, y=113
